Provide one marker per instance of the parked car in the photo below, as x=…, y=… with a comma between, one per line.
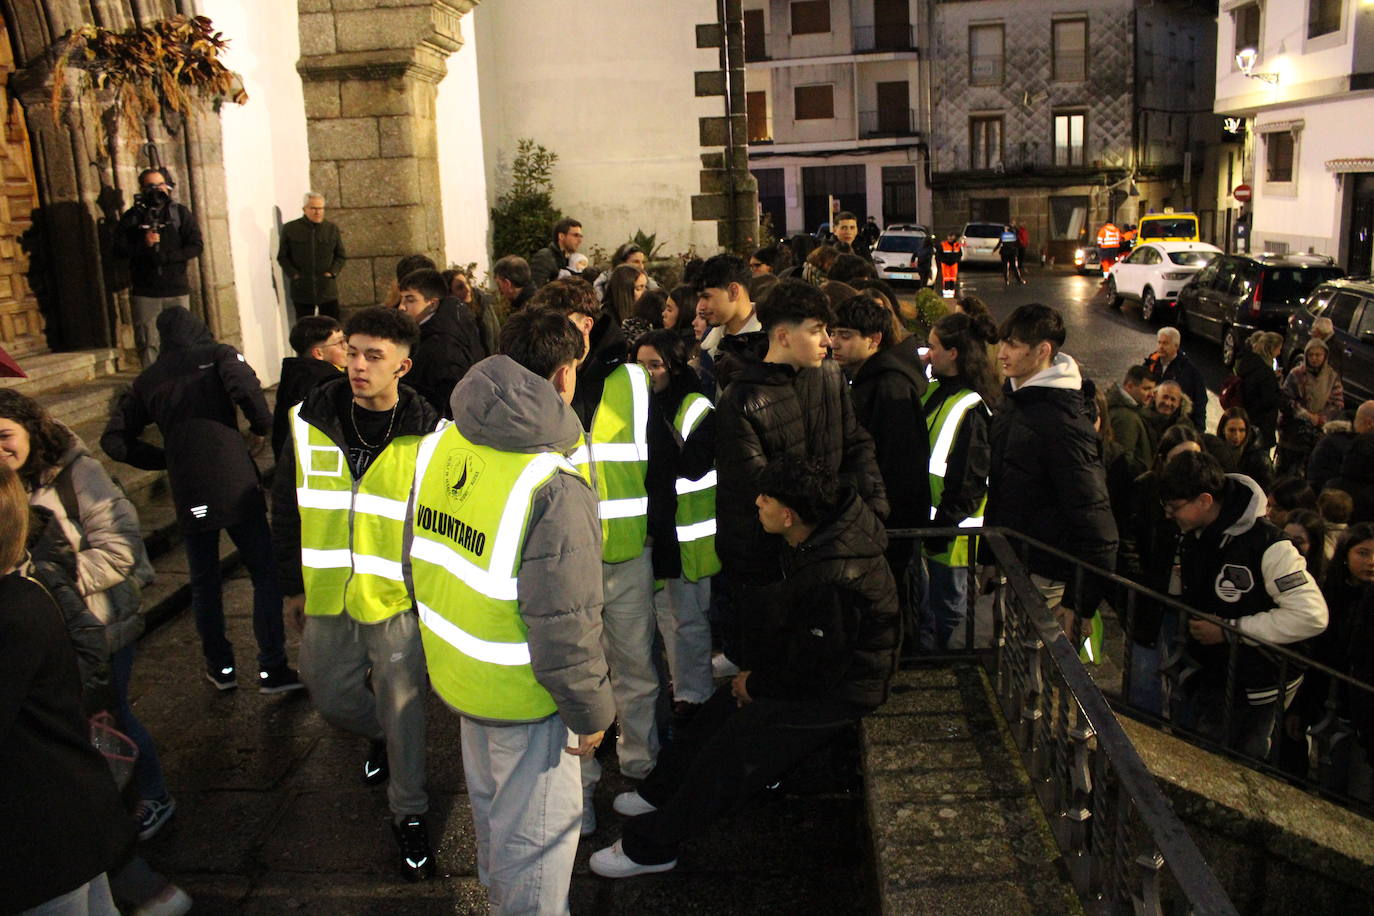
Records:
x=1167, y=227
x=1350, y=306
x=899, y=251
x=1238, y=294
x=1154, y=272
x=1086, y=261
x=979, y=242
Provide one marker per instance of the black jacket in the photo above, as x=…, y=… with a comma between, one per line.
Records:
x=1149, y=543
x=1261, y=394
x=1189, y=378
x=1347, y=646
x=1328, y=456
x=1357, y=478
x=830, y=629
x=298, y=375
x=736, y=352
x=1048, y=480
x=966, y=476
x=450, y=345
x=606, y=350
x=57, y=794
x=1250, y=459
x=1243, y=569
x=160, y=271
x=887, y=392
x=308, y=251
x=768, y=412
x=190, y=393
x=545, y=265
x=322, y=409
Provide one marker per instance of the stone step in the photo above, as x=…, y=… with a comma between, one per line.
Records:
x=50, y=371
x=955, y=823
x=91, y=400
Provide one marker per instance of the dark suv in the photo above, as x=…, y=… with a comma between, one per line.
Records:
x=1350, y=306
x=1238, y=294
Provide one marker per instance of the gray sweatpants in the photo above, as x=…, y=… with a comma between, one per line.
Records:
x=146, y=310
x=335, y=655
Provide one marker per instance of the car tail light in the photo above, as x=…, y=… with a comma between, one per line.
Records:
x=1257, y=298
x=1177, y=275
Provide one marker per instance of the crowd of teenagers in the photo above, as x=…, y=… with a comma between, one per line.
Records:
x=552, y=503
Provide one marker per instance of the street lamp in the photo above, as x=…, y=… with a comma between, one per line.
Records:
x=1245, y=61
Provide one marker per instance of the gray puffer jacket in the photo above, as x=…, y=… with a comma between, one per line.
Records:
x=102, y=527
x=502, y=405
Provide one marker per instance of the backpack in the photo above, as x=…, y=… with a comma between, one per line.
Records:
x=1232, y=392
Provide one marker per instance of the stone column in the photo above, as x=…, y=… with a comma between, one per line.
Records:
x=371, y=73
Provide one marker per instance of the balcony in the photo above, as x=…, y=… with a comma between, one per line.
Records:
x=887, y=122
x=869, y=39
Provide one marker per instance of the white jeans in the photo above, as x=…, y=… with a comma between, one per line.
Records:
x=681, y=611
x=527, y=808
x=627, y=636
x=90, y=899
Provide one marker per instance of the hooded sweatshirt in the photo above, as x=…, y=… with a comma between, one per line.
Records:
x=502, y=405
x=1243, y=569
x=298, y=375
x=1047, y=479
x=190, y=392
x=887, y=393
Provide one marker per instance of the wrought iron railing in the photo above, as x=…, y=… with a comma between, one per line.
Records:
x=1118, y=833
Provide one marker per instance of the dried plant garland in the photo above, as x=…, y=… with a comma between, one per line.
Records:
x=168, y=65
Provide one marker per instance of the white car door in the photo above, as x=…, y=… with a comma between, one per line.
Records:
x=1130, y=273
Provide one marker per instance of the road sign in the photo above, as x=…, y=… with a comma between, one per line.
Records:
x=1241, y=193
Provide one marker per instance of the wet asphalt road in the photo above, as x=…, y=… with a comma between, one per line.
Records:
x=1105, y=341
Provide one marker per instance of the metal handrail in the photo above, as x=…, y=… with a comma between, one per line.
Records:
x=1097, y=781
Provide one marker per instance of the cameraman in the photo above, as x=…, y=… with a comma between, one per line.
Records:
x=158, y=237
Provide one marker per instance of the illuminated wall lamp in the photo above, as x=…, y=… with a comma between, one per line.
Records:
x=1245, y=61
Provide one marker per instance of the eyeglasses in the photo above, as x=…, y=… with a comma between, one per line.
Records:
x=1171, y=506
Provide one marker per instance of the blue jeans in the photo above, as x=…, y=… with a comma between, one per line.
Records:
x=147, y=769
x=944, y=595
x=254, y=540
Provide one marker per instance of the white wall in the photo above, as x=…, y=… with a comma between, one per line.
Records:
x=462, y=168
x=608, y=86
x=266, y=165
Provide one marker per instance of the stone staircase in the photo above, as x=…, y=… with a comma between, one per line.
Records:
x=81, y=389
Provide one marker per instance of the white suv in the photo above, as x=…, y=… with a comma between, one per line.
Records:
x=1154, y=272
x=979, y=242
x=897, y=253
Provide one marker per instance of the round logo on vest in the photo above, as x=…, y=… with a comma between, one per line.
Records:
x=1233, y=582
x=461, y=474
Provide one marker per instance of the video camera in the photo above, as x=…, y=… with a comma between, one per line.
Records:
x=150, y=206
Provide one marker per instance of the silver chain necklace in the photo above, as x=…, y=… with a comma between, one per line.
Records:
x=353, y=416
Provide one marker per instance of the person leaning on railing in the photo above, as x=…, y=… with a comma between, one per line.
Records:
x=1236, y=565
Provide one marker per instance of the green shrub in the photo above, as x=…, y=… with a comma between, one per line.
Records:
x=524, y=216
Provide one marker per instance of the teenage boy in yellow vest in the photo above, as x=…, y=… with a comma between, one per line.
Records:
x=339, y=506
x=629, y=461
x=506, y=560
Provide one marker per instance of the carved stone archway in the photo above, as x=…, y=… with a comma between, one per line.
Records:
x=370, y=78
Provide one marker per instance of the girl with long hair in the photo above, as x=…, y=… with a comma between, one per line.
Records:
x=623, y=290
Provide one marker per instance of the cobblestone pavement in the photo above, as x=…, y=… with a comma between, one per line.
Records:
x=272, y=816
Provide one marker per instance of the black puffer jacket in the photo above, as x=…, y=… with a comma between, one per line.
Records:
x=1357, y=478
x=1261, y=394
x=736, y=352
x=190, y=393
x=323, y=408
x=607, y=349
x=1149, y=543
x=1048, y=480
x=830, y=630
x=450, y=345
x=771, y=411
x=887, y=392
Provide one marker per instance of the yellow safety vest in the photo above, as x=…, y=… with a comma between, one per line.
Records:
x=352, y=531
x=696, y=501
x=943, y=428
x=616, y=461
x=471, y=515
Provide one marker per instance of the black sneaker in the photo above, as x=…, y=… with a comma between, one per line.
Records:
x=412, y=836
x=279, y=680
x=152, y=813
x=222, y=677
x=375, y=768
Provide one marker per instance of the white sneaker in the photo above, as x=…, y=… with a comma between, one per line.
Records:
x=612, y=862
x=723, y=667
x=588, y=818
x=632, y=804
x=172, y=901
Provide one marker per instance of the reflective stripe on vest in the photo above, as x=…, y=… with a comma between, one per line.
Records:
x=696, y=501
x=943, y=428
x=471, y=508
x=352, y=531
x=615, y=460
